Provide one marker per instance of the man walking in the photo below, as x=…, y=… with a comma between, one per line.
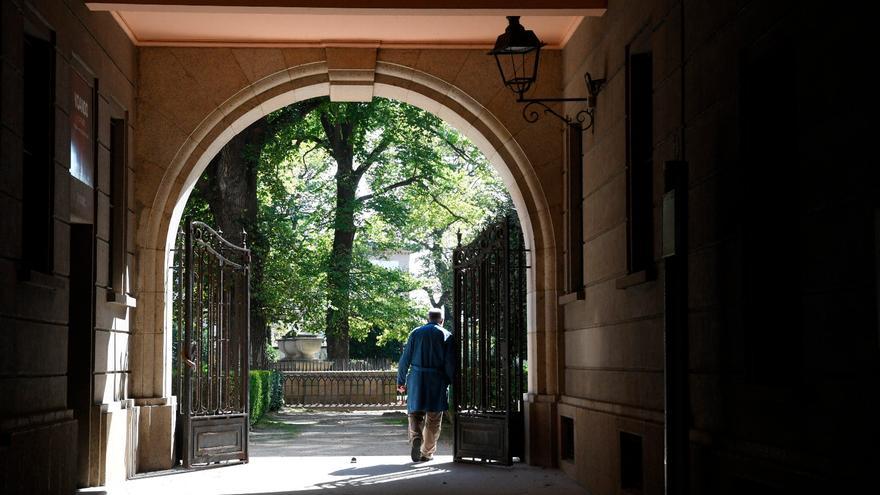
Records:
x=429, y=359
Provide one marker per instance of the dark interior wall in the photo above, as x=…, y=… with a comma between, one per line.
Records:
x=784, y=351
x=782, y=271
x=38, y=419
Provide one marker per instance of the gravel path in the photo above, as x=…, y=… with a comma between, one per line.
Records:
x=299, y=432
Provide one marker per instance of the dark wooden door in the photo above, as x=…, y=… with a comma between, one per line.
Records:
x=81, y=340
x=211, y=346
x=489, y=316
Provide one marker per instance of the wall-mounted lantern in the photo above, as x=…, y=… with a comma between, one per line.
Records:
x=517, y=53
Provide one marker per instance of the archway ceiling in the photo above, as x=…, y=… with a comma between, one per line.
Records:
x=308, y=23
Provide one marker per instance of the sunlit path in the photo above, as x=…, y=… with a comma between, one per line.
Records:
x=369, y=475
x=333, y=433
x=355, y=452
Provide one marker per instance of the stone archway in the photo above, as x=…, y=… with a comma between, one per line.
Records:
x=163, y=204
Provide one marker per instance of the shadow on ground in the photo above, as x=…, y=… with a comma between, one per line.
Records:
x=300, y=452
x=440, y=477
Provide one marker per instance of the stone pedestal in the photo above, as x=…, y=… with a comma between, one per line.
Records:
x=156, y=434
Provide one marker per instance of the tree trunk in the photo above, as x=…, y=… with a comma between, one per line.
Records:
x=339, y=267
x=230, y=187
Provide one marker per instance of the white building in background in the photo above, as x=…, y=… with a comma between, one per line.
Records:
x=402, y=260
x=407, y=261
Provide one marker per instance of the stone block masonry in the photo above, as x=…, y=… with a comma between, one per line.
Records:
x=62, y=381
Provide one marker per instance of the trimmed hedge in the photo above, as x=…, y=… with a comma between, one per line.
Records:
x=257, y=402
x=266, y=393
x=276, y=391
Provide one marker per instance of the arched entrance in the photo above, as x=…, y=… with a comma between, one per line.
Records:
x=159, y=219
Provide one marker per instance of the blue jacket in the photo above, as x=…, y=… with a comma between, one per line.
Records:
x=430, y=355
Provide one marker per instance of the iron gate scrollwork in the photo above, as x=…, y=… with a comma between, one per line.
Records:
x=489, y=316
x=210, y=346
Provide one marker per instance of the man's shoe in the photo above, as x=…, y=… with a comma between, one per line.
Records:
x=416, y=452
x=424, y=458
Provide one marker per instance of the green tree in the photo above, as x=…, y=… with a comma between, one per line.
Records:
x=378, y=149
x=227, y=194
x=321, y=188
x=466, y=195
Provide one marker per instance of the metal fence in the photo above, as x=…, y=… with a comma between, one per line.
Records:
x=350, y=383
x=373, y=364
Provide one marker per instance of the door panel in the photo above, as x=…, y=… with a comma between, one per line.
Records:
x=217, y=438
x=490, y=334
x=481, y=437
x=212, y=322
x=81, y=340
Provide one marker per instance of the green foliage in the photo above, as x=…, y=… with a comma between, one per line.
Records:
x=264, y=392
x=255, y=392
x=382, y=301
x=276, y=390
x=400, y=420
x=197, y=208
x=272, y=354
x=279, y=427
x=370, y=347
x=422, y=181
x=417, y=183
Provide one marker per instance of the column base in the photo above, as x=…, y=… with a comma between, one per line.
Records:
x=111, y=456
x=156, y=429
x=541, y=434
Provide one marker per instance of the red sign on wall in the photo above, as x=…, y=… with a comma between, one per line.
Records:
x=82, y=115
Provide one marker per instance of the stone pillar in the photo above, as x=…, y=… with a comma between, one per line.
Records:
x=544, y=376
x=150, y=379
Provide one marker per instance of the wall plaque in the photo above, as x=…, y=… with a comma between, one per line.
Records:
x=82, y=129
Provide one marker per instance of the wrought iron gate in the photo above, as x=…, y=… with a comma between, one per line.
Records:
x=211, y=328
x=490, y=330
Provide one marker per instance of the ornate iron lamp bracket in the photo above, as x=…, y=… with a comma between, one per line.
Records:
x=584, y=117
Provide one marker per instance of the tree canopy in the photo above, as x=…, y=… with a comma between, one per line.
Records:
x=338, y=184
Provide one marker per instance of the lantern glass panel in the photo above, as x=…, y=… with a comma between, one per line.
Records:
x=518, y=68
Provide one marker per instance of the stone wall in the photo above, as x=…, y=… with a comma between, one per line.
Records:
x=50, y=415
x=613, y=339
x=782, y=308
x=342, y=388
